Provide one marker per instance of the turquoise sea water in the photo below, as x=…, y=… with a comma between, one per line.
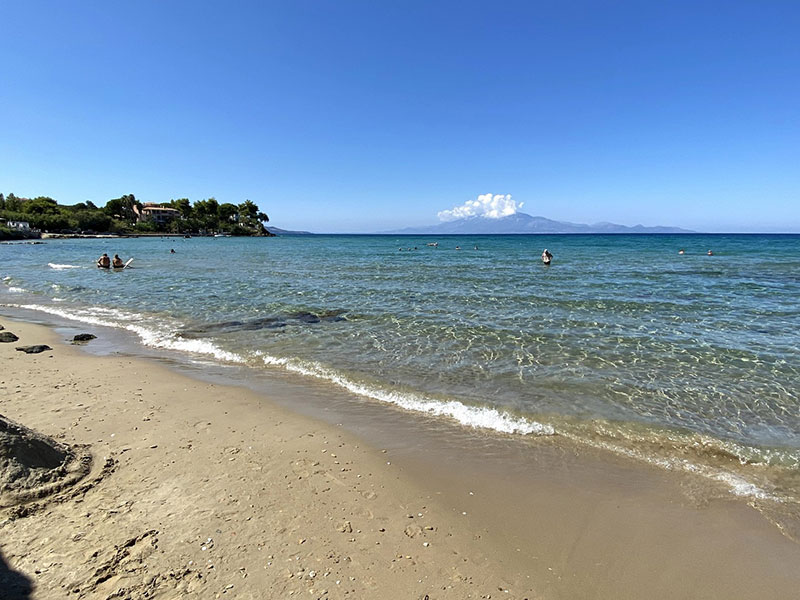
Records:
x=685, y=361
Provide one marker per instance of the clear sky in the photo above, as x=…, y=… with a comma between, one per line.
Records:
x=360, y=116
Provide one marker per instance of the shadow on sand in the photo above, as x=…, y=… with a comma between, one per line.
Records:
x=13, y=584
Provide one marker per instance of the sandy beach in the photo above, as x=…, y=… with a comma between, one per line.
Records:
x=202, y=490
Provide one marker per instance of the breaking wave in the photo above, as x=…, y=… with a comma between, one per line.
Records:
x=152, y=338
x=169, y=337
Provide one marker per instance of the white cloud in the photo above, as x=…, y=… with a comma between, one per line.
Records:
x=489, y=206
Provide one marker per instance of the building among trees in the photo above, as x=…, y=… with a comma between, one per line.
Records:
x=150, y=211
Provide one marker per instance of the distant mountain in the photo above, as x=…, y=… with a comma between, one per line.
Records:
x=279, y=231
x=524, y=223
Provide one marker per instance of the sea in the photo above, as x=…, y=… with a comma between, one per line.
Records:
x=686, y=361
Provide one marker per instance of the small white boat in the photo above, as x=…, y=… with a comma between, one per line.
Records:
x=222, y=235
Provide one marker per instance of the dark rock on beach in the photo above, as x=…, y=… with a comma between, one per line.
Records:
x=7, y=336
x=84, y=337
x=36, y=349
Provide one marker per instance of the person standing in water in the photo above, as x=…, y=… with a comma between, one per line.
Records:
x=547, y=256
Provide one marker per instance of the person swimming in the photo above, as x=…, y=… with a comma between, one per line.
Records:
x=117, y=262
x=104, y=262
x=681, y=251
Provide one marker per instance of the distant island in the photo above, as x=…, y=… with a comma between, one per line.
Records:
x=31, y=217
x=279, y=231
x=524, y=223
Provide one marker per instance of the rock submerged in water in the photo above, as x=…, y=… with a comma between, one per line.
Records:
x=33, y=465
x=279, y=322
x=7, y=336
x=84, y=337
x=35, y=349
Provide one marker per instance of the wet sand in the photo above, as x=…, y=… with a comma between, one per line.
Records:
x=202, y=490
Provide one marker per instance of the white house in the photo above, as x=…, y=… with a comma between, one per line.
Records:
x=19, y=225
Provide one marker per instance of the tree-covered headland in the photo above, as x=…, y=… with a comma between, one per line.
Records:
x=128, y=216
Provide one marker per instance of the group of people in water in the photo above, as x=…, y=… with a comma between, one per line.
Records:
x=107, y=263
x=104, y=262
x=432, y=245
x=682, y=251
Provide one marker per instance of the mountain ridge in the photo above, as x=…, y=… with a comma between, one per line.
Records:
x=524, y=223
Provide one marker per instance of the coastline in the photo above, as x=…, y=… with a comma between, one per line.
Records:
x=282, y=496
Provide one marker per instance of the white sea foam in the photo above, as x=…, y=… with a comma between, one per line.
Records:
x=738, y=485
x=110, y=317
x=16, y=290
x=94, y=315
x=479, y=417
x=168, y=341
x=60, y=267
x=735, y=483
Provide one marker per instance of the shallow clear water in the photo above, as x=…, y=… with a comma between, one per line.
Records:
x=688, y=361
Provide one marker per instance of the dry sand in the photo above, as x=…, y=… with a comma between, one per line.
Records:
x=199, y=490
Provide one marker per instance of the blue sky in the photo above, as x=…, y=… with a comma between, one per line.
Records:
x=351, y=116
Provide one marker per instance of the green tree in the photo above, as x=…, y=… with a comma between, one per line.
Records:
x=228, y=212
x=13, y=203
x=183, y=205
x=118, y=226
x=93, y=220
x=122, y=208
x=248, y=210
x=212, y=208
x=207, y=212
x=48, y=222
x=41, y=205
x=147, y=226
